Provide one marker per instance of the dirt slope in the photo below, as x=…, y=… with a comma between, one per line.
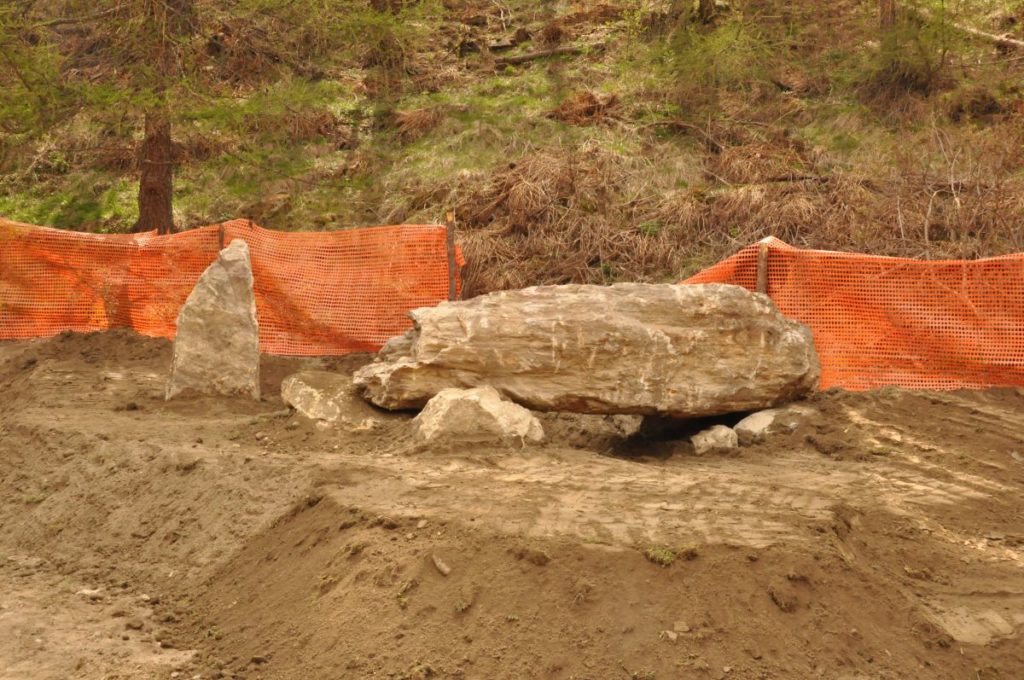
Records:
x=882, y=539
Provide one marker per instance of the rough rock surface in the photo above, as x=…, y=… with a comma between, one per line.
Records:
x=476, y=415
x=790, y=417
x=645, y=349
x=330, y=398
x=716, y=438
x=217, y=344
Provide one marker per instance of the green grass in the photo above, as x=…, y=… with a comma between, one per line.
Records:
x=660, y=555
x=717, y=79
x=92, y=199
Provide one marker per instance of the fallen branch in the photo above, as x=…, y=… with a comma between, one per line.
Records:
x=81, y=19
x=1005, y=40
x=713, y=144
x=542, y=54
x=767, y=184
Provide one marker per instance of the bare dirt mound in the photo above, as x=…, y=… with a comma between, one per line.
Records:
x=220, y=538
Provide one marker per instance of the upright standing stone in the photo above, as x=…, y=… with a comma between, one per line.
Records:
x=217, y=345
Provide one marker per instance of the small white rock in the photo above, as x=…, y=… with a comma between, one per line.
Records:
x=443, y=568
x=715, y=438
x=91, y=594
x=754, y=428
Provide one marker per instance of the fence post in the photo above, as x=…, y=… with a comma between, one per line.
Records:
x=450, y=225
x=762, y=267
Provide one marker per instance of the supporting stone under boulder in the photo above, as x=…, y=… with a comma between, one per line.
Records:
x=716, y=438
x=217, y=344
x=479, y=415
x=754, y=428
x=646, y=349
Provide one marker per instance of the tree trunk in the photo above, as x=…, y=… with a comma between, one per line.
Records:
x=167, y=22
x=706, y=11
x=887, y=15
x=887, y=24
x=156, y=178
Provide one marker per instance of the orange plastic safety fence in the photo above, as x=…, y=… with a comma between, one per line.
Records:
x=881, y=321
x=317, y=293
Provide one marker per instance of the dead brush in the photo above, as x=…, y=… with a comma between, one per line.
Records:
x=552, y=34
x=301, y=126
x=757, y=163
x=581, y=249
x=111, y=154
x=563, y=216
x=121, y=155
x=585, y=108
x=540, y=187
x=197, y=147
x=413, y=124
x=585, y=214
x=384, y=50
x=243, y=53
x=599, y=13
x=727, y=219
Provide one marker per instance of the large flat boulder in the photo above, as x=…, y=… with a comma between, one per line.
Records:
x=217, y=343
x=329, y=398
x=646, y=349
x=478, y=415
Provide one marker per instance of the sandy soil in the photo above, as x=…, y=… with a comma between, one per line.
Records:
x=208, y=538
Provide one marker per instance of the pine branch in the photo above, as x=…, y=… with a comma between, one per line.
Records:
x=531, y=56
x=85, y=18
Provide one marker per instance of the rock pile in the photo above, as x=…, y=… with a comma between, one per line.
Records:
x=753, y=429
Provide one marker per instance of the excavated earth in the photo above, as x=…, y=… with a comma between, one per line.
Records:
x=212, y=538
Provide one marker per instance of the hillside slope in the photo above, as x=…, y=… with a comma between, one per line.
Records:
x=645, y=147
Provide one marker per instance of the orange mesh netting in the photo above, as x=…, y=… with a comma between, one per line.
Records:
x=887, y=321
x=317, y=293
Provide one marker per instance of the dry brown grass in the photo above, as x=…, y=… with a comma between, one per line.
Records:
x=301, y=126
x=588, y=215
x=585, y=108
x=552, y=34
x=114, y=155
x=414, y=124
x=243, y=53
x=597, y=13
x=119, y=153
x=757, y=163
x=560, y=216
